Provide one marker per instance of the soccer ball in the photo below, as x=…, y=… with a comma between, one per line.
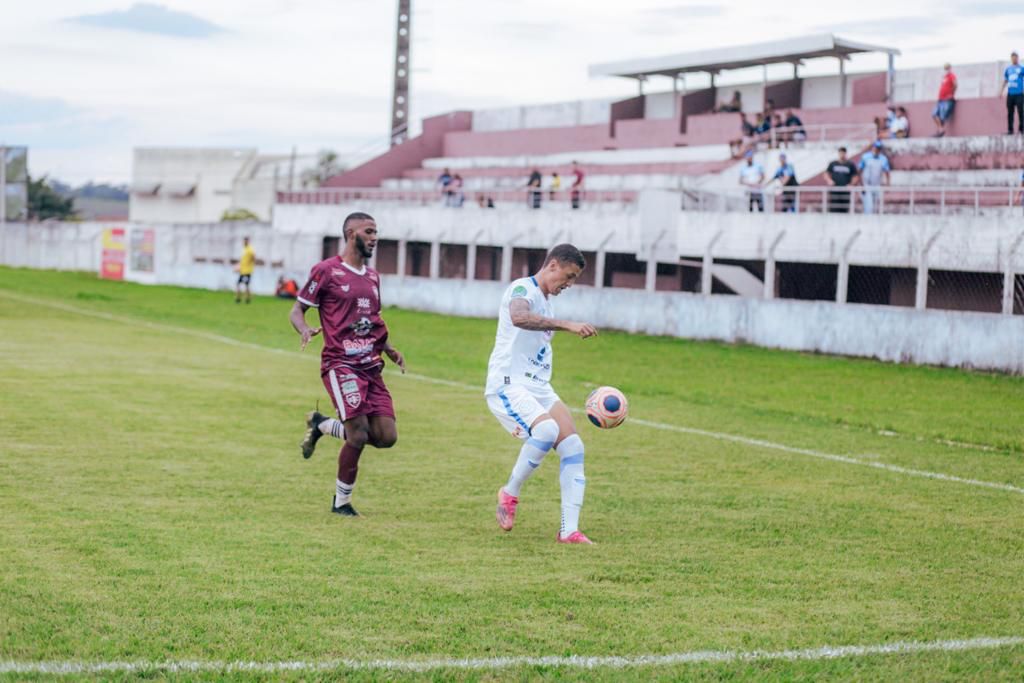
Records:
x=607, y=407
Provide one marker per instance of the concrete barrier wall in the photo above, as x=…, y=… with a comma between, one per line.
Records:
x=948, y=338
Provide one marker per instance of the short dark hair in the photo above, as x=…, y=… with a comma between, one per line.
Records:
x=566, y=253
x=842, y=149
x=355, y=216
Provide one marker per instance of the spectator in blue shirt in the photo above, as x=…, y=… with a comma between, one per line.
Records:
x=874, y=172
x=1013, y=81
x=786, y=175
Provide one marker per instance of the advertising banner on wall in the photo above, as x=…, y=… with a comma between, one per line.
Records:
x=143, y=250
x=112, y=256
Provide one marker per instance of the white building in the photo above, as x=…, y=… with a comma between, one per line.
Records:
x=197, y=184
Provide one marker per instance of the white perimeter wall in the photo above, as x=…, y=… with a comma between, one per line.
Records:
x=952, y=338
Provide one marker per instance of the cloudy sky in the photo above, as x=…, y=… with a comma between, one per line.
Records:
x=84, y=81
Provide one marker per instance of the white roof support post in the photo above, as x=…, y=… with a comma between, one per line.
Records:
x=403, y=248
x=921, y=291
x=890, y=77
x=1008, y=276
x=769, y=267
x=842, y=81
x=707, y=264
x=471, y=255
x=600, y=260
x=843, y=274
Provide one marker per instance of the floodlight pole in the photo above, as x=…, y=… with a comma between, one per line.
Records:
x=400, y=91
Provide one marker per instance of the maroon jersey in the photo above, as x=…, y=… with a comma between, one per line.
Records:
x=349, y=305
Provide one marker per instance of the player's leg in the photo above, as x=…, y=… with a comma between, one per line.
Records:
x=248, y=293
x=571, y=478
x=238, y=290
x=381, y=410
x=522, y=415
x=357, y=434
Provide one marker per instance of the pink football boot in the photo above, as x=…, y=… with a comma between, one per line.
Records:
x=575, y=537
x=506, y=512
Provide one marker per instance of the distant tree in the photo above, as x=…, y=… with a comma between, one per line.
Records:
x=239, y=215
x=45, y=203
x=326, y=166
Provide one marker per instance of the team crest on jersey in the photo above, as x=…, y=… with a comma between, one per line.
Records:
x=362, y=327
x=519, y=292
x=352, y=398
x=345, y=288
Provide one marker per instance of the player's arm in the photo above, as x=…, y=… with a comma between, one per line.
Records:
x=395, y=355
x=297, y=317
x=526, y=319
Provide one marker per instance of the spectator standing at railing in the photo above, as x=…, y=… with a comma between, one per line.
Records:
x=458, y=196
x=443, y=181
x=786, y=175
x=947, y=100
x=576, y=191
x=556, y=184
x=840, y=173
x=1013, y=82
x=874, y=173
x=752, y=178
x=534, y=184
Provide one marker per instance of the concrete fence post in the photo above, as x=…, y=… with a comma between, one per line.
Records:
x=435, y=258
x=921, y=290
x=403, y=247
x=843, y=274
x=707, y=263
x=599, y=266
x=769, y=267
x=1008, y=275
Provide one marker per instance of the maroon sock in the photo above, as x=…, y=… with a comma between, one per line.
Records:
x=348, y=464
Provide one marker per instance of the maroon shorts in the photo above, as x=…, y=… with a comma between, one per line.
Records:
x=355, y=393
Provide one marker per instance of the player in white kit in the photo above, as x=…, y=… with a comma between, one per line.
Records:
x=519, y=392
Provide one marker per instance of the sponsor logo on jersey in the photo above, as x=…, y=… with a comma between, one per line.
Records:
x=363, y=303
x=337, y=272
x=312, y=286
x=362, y=327
x=518, y=292
x=357, y=347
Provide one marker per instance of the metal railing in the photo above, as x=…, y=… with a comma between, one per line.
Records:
x=458, y=198
x=885, y=200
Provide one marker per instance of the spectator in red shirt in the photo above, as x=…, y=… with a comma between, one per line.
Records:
x=576, y=190
x=947, y=100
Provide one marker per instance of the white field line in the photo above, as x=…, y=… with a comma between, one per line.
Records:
x=721, y=436
x=572, y=662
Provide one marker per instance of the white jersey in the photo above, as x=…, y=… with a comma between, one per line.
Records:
x=521, y=356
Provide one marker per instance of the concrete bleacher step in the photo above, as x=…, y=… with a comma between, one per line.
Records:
x=957, y=178
x=977, y=152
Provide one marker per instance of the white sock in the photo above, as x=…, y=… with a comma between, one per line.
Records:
x=531, y=455
x=572, y=481
x=332, y=427
x=342, y=492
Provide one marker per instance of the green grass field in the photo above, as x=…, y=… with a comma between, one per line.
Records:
x=154, y=505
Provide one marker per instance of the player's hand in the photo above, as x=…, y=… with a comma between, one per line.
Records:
x=396, y=357
x=308, y=334
x=584, y=330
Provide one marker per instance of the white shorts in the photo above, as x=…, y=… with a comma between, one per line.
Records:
x=517, y=406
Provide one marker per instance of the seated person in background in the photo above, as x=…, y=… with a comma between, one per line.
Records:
x=738, y=146
x=286, y=289
x=796, y=127
x=900, y=126
x=780, y=134
x=733, y=105
x=762, y=127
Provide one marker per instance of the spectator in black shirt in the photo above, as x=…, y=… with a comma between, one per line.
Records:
x=796, y=127
x=840, y=173
x=534, y=184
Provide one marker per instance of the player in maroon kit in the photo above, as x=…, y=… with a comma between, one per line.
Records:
x=346, y=293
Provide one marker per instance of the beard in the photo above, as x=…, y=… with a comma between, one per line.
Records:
x=365, y=251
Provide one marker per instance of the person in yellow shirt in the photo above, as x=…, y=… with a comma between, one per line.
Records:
x=246, y=264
